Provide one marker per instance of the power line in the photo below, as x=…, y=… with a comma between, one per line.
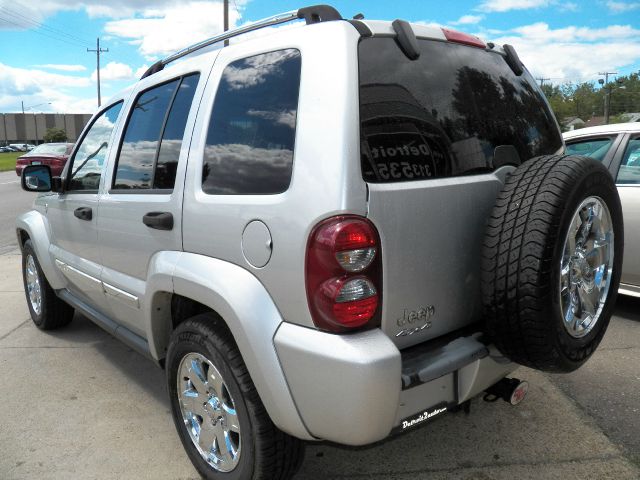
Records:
x=607, y=97
x=40, y=25
x=13, y=23
x=98, y=51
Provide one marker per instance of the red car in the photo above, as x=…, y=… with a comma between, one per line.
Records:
x=53, y=154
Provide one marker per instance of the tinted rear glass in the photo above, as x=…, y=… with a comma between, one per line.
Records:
x=445, y=113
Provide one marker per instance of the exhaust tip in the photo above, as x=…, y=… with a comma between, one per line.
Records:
x=519, y=393
x=511, y=390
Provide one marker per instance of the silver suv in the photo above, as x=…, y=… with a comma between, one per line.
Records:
x=330, y=232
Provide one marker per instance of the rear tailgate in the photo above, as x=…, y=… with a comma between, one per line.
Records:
x=438, y=136
x=431, y=233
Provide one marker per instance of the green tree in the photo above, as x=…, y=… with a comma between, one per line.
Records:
x=585, y=100
x=55, y=135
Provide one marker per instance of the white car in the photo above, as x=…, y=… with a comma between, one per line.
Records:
x=617, y=146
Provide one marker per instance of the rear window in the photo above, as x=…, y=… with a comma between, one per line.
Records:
x=49, y=149
x=591, y=147
x=251, y=135
x=456, y=110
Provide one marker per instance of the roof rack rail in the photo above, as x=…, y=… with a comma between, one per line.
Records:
x=313, y=14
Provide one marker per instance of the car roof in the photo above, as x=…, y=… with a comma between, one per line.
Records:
x=612, y=128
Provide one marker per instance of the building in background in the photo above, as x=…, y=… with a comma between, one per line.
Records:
x=31, y=127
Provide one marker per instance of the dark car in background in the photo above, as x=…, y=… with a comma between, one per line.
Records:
x=54, y=155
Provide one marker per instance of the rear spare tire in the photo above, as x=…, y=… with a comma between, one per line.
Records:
x=552, y=262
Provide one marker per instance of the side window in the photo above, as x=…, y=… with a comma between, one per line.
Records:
x=251, y=134
x=148, y=156
x=88, y=162
x=629, y=172
x=592, y=147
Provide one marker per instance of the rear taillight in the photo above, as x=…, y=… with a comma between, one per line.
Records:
x=343, y=274
x=463, y=38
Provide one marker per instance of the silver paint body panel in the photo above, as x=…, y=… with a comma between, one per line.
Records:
x=432, y=233
x=362, y=370
x=127, y=274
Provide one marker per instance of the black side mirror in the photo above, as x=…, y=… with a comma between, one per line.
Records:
x=36, y=178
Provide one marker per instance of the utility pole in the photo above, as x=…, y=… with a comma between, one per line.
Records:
x=607, y=94
x=22, y=102
x=226, y=19
x=98, y=51
x=542, y=80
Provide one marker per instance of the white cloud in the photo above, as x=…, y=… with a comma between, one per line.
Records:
x=160, y=31
x=23, y=14
x=621, y=7
x=573, y=53
x=51, y=92
x=568, y=7
x=114, y=71
x=506, y=5
x=140, y=71
x=468, y=20
x=62, y=68
x=542, y=33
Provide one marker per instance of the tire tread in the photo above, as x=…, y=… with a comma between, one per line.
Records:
x=517, y=270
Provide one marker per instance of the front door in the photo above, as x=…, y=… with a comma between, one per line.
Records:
x=73, y=213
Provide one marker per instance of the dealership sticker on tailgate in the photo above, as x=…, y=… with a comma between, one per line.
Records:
x=422, y=417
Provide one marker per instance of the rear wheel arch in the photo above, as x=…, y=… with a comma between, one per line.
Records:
x=170, y=310
x=183, y=284
x=23, y=236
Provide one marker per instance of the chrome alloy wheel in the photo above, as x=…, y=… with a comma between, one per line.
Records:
x=34, y=290
x=208, y=412
x=586, y=266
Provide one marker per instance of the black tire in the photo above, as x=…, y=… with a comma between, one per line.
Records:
x=523, y=250
x=54, y=312
x=266, y=452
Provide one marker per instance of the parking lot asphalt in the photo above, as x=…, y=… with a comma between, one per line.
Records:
x=13, y=200
x=76, y=403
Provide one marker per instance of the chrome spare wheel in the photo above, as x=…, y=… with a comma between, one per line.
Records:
x=586, y=266
x=33, y=284
x=209, y=412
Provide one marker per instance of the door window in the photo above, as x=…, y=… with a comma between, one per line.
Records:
x=87, y=164
x=152, y=141
x=629, y=172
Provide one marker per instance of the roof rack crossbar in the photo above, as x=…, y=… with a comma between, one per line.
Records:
x=313, y=14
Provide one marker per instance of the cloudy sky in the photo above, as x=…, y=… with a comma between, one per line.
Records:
x=44, y=60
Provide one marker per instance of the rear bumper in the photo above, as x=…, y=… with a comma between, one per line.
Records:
x=355, y=389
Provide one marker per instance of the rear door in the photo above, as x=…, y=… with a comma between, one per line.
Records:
x=140, y=209
x=73, y=214
x=438, y=134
